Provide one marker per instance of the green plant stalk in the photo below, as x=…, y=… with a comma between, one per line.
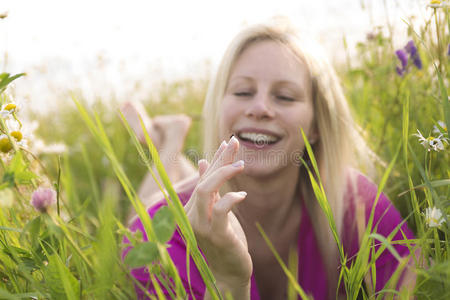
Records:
x=288, y=273
x=436, y=22
x=90, y=173
x=434, y=196
x=405, y=133
x=58, y=187
x=5, y=129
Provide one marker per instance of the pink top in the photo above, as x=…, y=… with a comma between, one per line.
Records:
x=311, y=270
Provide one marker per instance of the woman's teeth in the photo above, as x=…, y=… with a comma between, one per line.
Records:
x=258, y=138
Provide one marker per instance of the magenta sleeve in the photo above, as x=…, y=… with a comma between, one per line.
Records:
x=193, y=284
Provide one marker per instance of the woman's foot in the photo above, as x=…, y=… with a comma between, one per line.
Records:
x=173, y=130
x=131, y=112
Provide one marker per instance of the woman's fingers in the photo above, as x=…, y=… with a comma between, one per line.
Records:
x=220, y=210
x=202, y=166
x=219, y=151
x=207, y=189
x=215, y=180
x=226, y=156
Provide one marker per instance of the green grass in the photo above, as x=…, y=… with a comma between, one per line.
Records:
x=73, y=252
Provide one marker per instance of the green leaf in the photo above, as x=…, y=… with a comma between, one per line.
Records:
x=164, y=224
x=4, y=294
x=386, y=243
x=142, y=255
x=8, y=180
x=10, y=229
x=17, y=171
x=33, y=228
x=5, y=79
x=59, y=279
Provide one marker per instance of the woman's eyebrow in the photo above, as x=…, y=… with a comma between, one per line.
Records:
x=241, y=77
x=298, y=88
x=236, y=80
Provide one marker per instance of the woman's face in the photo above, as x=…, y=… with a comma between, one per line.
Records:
x=266, y=102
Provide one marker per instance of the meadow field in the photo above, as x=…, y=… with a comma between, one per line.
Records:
x=67, y=188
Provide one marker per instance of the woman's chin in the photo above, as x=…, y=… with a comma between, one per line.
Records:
x=261, y=170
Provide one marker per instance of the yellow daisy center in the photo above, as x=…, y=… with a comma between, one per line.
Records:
x=5, y=145
x=435, y=2
x=10, y=106
x=17, y=134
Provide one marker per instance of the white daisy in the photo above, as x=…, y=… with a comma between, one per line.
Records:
x=5, y=144
x=7, y=110
x=433, y=217
x=438, y=130
x=438, y=4
x=432, y=143
x=15, y=130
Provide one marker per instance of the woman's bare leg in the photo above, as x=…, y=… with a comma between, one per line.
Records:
x=174, y=130
x=169, y=133
x=132, y=111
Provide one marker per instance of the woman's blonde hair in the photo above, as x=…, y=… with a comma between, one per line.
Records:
x=339, y=145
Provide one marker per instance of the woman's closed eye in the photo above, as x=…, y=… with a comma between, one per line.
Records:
x=285, y=98
x=243, y=94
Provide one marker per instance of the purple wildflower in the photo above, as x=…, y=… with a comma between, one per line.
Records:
x=448, y=50
x=413, y=54
x=400, y=71
x=411, y=48
x=417, y=61
x=401, y=55
x=43, y=198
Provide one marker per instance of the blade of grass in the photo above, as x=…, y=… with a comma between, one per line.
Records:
x=288, y=273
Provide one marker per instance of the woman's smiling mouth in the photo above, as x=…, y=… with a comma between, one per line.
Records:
x=257, y=138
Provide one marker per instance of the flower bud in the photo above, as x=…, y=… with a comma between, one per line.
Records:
x=43, y=198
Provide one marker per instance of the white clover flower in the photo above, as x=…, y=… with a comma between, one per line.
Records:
x=438, y=130
x=431, y=142
x=433, y=217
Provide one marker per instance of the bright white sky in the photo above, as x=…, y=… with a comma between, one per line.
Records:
x=58, y=42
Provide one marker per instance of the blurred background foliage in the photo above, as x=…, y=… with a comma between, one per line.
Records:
x=374, y=90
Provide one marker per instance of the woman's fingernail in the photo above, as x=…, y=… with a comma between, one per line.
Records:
x=242, y=194
x=233, y=140
x=238, y=163
x=201, y=161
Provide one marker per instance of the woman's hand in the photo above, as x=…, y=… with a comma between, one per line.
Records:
x=218, y=232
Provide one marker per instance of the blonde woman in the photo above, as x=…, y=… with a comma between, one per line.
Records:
x=270, y=84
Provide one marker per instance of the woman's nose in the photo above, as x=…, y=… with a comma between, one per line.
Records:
x=260, y=107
